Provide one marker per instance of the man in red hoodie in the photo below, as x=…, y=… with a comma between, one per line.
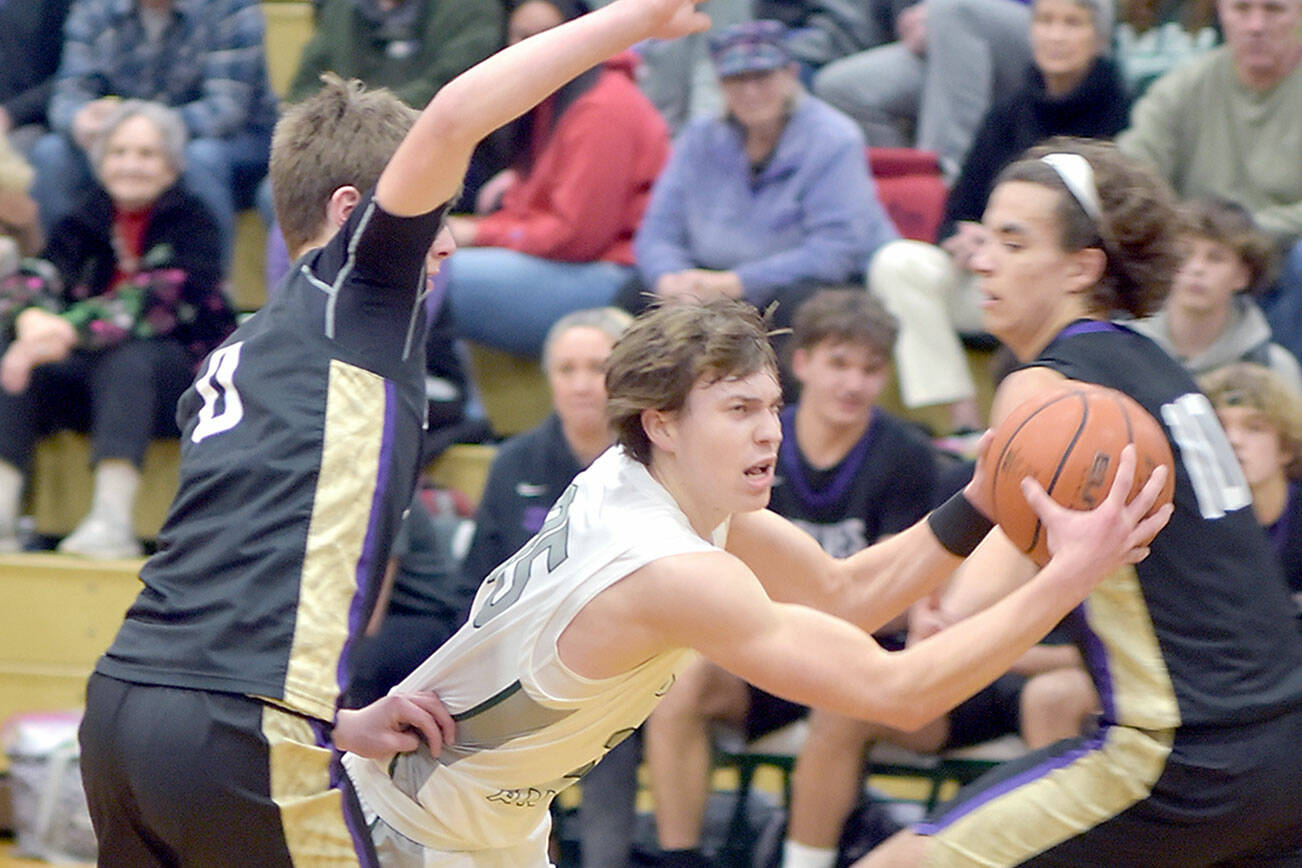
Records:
x=562, y=238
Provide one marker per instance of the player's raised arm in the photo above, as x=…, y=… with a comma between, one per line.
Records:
x=428, y=167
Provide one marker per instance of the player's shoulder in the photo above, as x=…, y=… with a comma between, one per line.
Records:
x=1022, y=385
x=677, y=572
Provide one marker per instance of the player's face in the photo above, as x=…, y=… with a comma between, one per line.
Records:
x=444, y=246
x=1256, y=444
x=1063, y=39
x=1209, y=276
x=726, y=440
x=840, y=381
x=1030, y=286
x=576, y=372
x=135, y=168
x=1262, y=34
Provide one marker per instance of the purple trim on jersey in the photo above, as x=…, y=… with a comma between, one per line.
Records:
x=351, y=810
x=1089, y=326
x=1278, y=532
x=366, y=561
x=1095, y=652
x=1013, y=782
x=789, y=460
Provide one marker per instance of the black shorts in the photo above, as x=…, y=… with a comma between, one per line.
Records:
x=176, y=776
x=768, y=713
x=1222, y=796
x=990, y=714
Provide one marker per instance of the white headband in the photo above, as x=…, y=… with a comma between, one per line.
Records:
x=1077, y=173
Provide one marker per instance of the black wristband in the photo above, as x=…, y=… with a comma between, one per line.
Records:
x=958, y=525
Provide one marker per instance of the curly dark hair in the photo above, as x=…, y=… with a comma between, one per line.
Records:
x=1139, y=229
x=669, y=349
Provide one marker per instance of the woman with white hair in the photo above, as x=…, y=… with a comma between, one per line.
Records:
x=108, y=339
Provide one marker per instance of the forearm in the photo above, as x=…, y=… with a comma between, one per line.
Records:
x=878, y=583
x=869, y=588
x=822, y=661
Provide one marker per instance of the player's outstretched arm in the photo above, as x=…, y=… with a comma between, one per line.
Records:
x=427, y=169
x=816, y=659
x=868, y=589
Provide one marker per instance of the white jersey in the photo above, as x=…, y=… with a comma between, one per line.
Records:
x=527, y=726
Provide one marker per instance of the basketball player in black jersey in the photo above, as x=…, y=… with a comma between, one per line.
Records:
x=1194, y=652
x=207, y=738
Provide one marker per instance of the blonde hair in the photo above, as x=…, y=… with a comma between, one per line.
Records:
x=610, y=321
x=1244, y=384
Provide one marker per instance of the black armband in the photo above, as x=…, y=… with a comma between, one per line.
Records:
x=958, y=525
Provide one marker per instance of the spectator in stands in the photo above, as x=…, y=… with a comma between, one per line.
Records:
x=204, y=58
x=931, y=87
x=1227, y=125
x=1069, y=88
x=1152, y=37
x=412, y=47
x=529, y=472
x=1263, y=419
x=677, y=75
x=833, y=29
x=109, y=338
x=562, y=238
x=31, y=38
x=1210, y=319
x=839, y=479
x=769, y=202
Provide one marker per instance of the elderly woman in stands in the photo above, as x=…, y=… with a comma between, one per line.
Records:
x=1071, y=89
x=770, y=202
x=107, y=331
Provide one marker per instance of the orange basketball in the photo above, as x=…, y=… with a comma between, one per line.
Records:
x=1070, y=441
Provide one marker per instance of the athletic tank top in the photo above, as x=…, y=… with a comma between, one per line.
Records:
x=527, y=726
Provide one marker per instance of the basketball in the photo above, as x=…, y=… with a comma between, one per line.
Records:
x=1070, y=441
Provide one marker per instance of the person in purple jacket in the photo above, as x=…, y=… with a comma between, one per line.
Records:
x=768, y=202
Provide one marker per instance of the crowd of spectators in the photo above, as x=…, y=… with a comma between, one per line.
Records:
x=733, y=163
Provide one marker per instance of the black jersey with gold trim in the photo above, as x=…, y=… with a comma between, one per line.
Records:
x=300, y=450
x=1201, y=632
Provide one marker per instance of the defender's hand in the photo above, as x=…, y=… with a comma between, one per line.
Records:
x=397, y=723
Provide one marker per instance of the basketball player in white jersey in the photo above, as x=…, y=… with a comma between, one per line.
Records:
x=662, y=546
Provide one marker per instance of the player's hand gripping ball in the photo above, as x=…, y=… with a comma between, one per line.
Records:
x=1070, y=441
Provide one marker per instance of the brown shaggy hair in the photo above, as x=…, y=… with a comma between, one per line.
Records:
x=1140, y=227
x=342, y=135
x=1229, y=223
x=849, y=316
x=672, y=347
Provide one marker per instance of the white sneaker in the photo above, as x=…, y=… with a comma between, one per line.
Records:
x=96, y=538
